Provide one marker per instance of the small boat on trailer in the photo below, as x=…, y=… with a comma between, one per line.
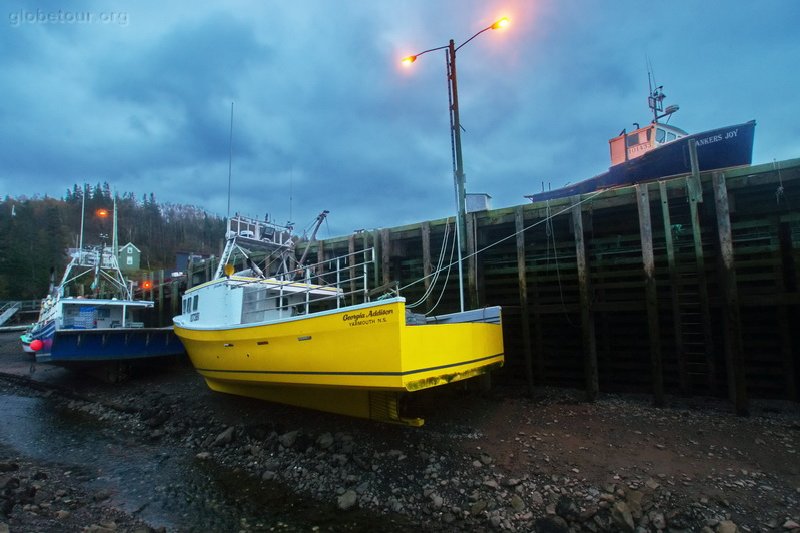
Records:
x=287, y=336
x=659, y=150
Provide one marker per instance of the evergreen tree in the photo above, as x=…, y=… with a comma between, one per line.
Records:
x=36, y=239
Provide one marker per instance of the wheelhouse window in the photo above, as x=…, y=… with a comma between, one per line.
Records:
x=194, y=303
x=638, y=137
x=665, y=136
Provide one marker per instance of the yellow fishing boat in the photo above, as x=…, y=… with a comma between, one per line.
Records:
x=289, y=341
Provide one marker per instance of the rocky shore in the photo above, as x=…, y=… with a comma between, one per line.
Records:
x=497, y=462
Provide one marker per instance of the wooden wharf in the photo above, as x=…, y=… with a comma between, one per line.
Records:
x=684, y=286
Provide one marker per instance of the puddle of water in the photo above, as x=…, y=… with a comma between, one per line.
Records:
x=165, y=486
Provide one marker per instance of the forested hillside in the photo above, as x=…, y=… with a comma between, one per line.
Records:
x=36, y=232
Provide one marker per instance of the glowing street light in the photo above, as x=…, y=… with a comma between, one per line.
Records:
x=502, y=23
x=455, y=136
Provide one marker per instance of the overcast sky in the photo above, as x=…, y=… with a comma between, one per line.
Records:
x=139, y=94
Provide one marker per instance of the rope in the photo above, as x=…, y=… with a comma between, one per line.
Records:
x=551, y=235
x=514, y=234
x=446, y=279
x=439, y=263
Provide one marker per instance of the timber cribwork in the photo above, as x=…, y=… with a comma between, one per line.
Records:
x=683, y=286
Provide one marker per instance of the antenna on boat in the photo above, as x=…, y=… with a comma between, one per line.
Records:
x=656, y=99
x=230, y=164
x=656, y=95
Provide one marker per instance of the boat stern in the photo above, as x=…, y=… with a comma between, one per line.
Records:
x=452, y=348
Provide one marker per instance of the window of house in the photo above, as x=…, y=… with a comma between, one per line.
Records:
x=129, y=260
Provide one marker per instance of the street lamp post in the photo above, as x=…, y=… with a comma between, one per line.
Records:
x=455, y=137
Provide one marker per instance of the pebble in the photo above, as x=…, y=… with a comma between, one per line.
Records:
x=288, y=439
x=347, y=500
x=727, y=526
x=226, y=437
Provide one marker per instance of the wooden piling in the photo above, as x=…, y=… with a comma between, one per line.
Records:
x=519, y=226
x=472, y=262
x=160, y=296
x=174, y=297
x=592, y=381
x=386, y=248
x=320, y=257
x=427, y=270
x=734, y=351
x=651, y=294
x=788, y=321
x=190, y=273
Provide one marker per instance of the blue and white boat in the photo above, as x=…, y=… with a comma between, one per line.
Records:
x=659, y=150
x=91, y=321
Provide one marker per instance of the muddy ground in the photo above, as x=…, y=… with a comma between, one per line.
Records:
x=483, y=462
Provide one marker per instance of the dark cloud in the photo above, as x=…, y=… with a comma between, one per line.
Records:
x=324, y=114
x=192, y=71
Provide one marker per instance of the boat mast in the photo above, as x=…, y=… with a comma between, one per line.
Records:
x=83, y=215
x=656, y=98
x=114, y=240
x=230, y=163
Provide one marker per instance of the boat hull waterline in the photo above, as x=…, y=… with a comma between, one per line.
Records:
x=79, y=346
x=354, y=361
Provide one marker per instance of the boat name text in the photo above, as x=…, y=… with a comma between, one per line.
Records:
x=716, y=138
x=367, y=318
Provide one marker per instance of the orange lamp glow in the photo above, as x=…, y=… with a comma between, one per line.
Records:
x=502, y=23
x=147, y=285
x=408, y=60
x=102, y=213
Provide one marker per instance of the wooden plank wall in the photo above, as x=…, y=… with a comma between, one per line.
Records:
x=682, y=286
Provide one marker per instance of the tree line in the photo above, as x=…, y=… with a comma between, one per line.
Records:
x=35, y=234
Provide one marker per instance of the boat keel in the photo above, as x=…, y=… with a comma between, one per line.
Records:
x=381, y=406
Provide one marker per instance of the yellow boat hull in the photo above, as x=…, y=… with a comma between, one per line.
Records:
x=354, y=361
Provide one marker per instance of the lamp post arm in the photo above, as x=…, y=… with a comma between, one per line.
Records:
x=431, y=50
x=468, y=40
